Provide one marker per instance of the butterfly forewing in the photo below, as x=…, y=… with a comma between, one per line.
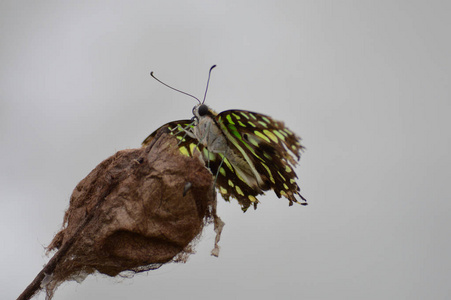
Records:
x=176, y=128
x=271, y=148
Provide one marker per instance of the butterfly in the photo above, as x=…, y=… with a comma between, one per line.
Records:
x=247, y=152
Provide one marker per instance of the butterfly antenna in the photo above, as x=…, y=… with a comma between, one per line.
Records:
x=151, y=74
x=208, y=81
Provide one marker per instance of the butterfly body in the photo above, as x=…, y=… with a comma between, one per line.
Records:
x=248, y=152
x=206, y=130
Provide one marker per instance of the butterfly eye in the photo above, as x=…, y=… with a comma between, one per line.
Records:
x=202, y=110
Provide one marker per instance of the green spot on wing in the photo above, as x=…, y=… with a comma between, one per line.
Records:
x=234, y=131
x=229, y=118
x=271, y=135
x=279, y=135
x=266, y=120
x=283, y=132
x=227, y=163
x=244, y=114
x=281, y=176
x=208, y=155
x=192, y=148
x=269, y=173
x=239, y=191
x=263, y=124
x=288, y=131
x=261, y=135
x=252, y=140
x=184, y=150
x=252, y=198
x=222, y=171
x=222, y=190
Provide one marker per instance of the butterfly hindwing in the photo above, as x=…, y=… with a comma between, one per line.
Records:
x=228, y=182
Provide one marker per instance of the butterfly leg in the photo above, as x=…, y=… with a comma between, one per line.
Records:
x=217, y=172
x=219, y=168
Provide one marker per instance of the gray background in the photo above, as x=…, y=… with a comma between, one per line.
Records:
x=365, y=83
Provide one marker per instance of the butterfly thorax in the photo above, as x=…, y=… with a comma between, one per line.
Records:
x=207, y=132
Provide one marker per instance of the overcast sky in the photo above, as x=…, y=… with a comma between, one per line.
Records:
x=366, y=84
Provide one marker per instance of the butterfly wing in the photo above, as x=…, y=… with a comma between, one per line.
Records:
x=175, y=128
x=228, y=183
x=217, y=163
x=271, y=148
x=268, y=146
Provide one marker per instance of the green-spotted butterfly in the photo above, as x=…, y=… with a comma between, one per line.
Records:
x=248, y=152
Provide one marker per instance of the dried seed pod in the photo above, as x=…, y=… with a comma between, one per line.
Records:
x=130, y=214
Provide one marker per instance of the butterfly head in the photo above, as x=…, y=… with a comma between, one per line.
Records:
x=200, y=110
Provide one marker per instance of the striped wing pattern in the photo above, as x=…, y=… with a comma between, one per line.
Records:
x=226, y=176
x=271, y=148
x=175, y=128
